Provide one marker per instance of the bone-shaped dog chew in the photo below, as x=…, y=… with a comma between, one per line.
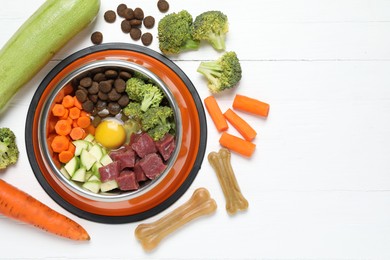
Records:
x=199, y=204
x=221, y=164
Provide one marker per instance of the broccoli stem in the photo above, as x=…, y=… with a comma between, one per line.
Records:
x=191, y=45
x=217, y=41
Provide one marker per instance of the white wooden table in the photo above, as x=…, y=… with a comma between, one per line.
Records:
x=319, y=182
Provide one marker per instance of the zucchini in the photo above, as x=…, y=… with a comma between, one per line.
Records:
x=39, y=39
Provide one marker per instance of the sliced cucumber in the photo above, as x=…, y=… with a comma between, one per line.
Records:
x=87, y=159
x=105, y=160
x=89, y=138
x=95, y=169
x=79, y=175
x=80, y=145
x=65, y=173
x=72, y=166
x=108, y=185
x=96, y=150
x=93, y=178
x=93, y=186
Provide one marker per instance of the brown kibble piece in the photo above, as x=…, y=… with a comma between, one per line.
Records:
x=110, y=16
x=121, y=10
x=149, y=22
x=222, y=166
x=99, y=77
x=138, y=13
x=163, y=6
x=147, y=38
x=135, y=33
x=125, y=26
x=124, y=75
x=124, y=100
x=111, y=74
x=81, y=95
x=120, y=85
x=113, y=95
x=128, y=14
x=94, y=88
x=105, y=86
x=88, y=106
x=151, y=234
x=135, y=22
x=93, y=97
x=114, y=108
x=86, y=82
x=97, y=38
x=102, y=95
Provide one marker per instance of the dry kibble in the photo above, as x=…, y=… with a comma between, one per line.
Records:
x=200, y=204
x=138, y=13
x=149, y=22
x=110, y=16
x=110, y=74
x=221, y=164
x=121, y=10
x=147, y=38
x=86, y=82
x=163, y=6
x=124, y=75
x=129, y=14
x=97, y=38
x=135, y=22
x=135, y=33
x=126, y=26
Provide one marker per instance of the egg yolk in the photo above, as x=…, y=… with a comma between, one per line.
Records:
x=110, y=134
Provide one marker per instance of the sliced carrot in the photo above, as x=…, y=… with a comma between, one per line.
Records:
x=71, y=148
x=74, y=123
x=68, y=101
x=74, y=112
x=65, y=156
x=237, y=144
x=63, y=127
x=58, y=110
x=21, y=206
x=77, y=133
x=250, y=105
x=215, y=113
x=60, y=143
x=83, y=121
x=66, y=115
x=60, y=96
x=84, y=113
x=90, y=129
x=77, y=103
x=240, y=124
x=68, y=89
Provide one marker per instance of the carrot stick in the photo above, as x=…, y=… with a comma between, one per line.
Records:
x=240, y=124
x=77, y=133
x=21, y=206
x=215, y=113
x=63, y=127
x=250, y=105
x=77, y=103
x=237, y=144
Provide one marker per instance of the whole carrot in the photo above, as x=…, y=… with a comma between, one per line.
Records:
x=20, y=206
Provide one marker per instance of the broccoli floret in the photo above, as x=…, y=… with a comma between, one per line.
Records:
x=211, y=26
x=175, y=33
x=157, y=121
x=134, y=89
x=9, y=152
x=133, y=110
x=152, y=96
x=223, y=73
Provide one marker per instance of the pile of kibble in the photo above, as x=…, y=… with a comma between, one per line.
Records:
x=133, y=20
